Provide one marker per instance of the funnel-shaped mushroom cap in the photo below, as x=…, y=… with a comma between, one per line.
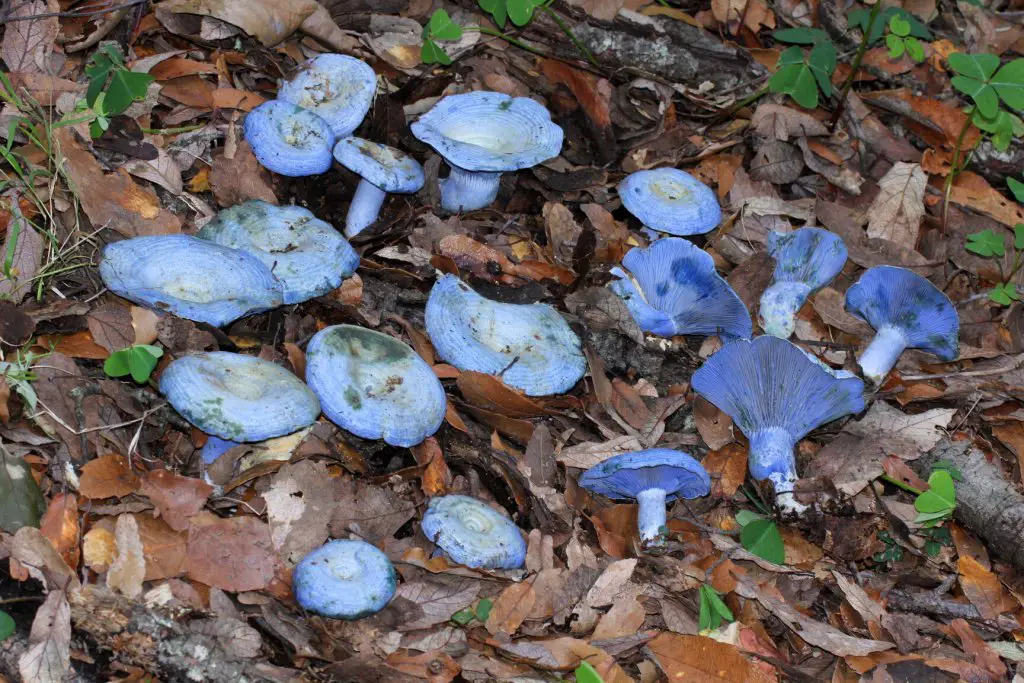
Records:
x=337, y=88
x=674, y=289
x=626, y=475
x=473, y=533
x=374, y=386
x=776, y=395
x=530, y=346
x=344, y=580
x=672, y=201
x=386, y=167
x=805, y=261
x=307, y=255
x=190, y=277
x=238, y=398
x=907, y=311
x=289, y=140
x=490, y=131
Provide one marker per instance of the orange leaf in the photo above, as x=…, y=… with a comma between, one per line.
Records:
x=77, y=345
x=696, y=658
x=437, y=478
x=177, y=498
x=490, y=393
x=511, y=608
x=165, y=548
x=60, y=526
x=983, y=588
x=730, y=465
x=107, y=477
x=234, y=554
x=971, y=190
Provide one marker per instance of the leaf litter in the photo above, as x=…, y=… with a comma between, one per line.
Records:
x=108, y=509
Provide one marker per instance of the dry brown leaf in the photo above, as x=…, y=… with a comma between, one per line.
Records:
x=233, y=554
x=970, y=189
x=433, y=601
x=111, y=327
x=372, y=512
x=76, y=345
x=563, y=230
x=702, y=659
x=108, y=477
x=48, y=659
x=782, y=123
x=586, y=455
x=29, y=45
x=984, y=656
x=128, y=570
x=300, y=500
x=35, y=552
x=240, y=179
x=728, y=469
x=164, y=548
x=714, y=426
x=983, y=589
x=99, y=549
x=177, y=498
x=896, y=213
x=436, y=479
x=60, y=526
x=511, y=608
x=26, y=246
x=624, y=619
x=435, y=666
x=490, y=393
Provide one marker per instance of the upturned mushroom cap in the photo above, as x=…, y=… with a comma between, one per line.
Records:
x=289, y=140
x=237, y=397
x=776, y=395
x=672, y=201
x=192, y=278
x=626, y=475
x=530, y=346
x=386, y=167
x=473, y=533
x=805, y=261
x=675, y=289
x=307, y=255
x=887, y=297
x=337, y=88
x=490, y=131
x=344, y=580
x=374, y=386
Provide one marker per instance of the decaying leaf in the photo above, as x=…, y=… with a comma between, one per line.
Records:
x=896, y=213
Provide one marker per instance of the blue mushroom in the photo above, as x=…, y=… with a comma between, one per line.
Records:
x=307, y=255
x=671, y=201
x=383, y=169
x=776, y=395
x=374, y=386
x=344, y=580
x=337, y=88
x=651, y=477
x=289, y=140
x=482, y=135
x=907, y=311
x=238, y=398
x=214, y=448
x=805, y=261
x=530, y=346
x=471, y=532
x=672, y=288
x=192, y=278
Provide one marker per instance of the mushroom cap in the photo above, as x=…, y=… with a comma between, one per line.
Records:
x=626, y=475
x=307, y=255
x=237, y=397
x=374, y=386
x=771, y=384
x=190, y=277
x=214, y=448
x=386, y=167
x=473, y=533
x=490, y=131
x=344, y=580
x=675, y=289
x=530, y=346
x=809, y=256
x=289, y=140
x=672, y=201
x=337, y=88
x=887, y=296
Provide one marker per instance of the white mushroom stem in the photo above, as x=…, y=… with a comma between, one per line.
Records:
x=365, y=207
x=772, y=458
x=779, y=306
x=882, y=353
x=651, y=516
x=466, y=190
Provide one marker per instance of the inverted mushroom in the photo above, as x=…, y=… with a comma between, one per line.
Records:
x=651, y=477
x=383, y=169
x=671, y=201
x=192, y=278
x=337, y=88
x=307, y=255
x=776, y=395
x=907, y=311
x=805, y=261
x=482, y=135
x=374, y=386
x=473, y=533
x=238, y=398
x=344, y=580
x=530, y=346
x=672, y=288
x=289, y=140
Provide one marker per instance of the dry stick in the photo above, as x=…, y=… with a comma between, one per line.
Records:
x=855, y=67
x=947, y=187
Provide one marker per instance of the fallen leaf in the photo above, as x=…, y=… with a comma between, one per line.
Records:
x=372, y=512
x=128, y=570
x=16, y=326
x=433, y=601
x=714, y=426
x=435, y=666
x=586, y=455
x=905, y=436
x=108, y=477
x=436, y=479
x=511, y=608
x=164, y=548
x=782, y=123
x=702, y=659
x=60, y=526
x=983, y=589
x=896, y=212
x=48, y=659
x=29, y=44
x=26, y=248
x=111, y=327
x=76, y=345
x=624, y=619
x=99, y=548
x=299, y=506
x=490, y=393
x=35, y=552
x=177, y=498
x=240, y=179
x=984, y=656
x=970, y=189
x=728, y=469
x=234, y=554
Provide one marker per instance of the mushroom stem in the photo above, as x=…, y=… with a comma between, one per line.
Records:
x=365, y=207
x=779, y=306
x=466, y=190
x=651, y=516
x=882, y=353
x=772, y=458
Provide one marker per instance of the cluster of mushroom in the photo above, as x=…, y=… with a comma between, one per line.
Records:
x=775, y=392
x=480, y=134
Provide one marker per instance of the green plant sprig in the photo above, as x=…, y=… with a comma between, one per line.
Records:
x=990, y=245
x=138, y=360
x=113, y=87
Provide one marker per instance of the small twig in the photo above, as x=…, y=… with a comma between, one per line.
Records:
x=855, y=67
